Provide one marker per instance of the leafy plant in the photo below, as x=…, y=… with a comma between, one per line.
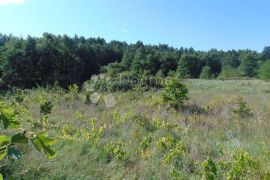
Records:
x=143, y=122
x=242, y=108
x=73, y=90
x=145, y=145
x=79, y=116
x=166, y=143
x=45, y=105
x=114, y=150
x=175, y=93
x=209, y=169
x=45, y=108
x=96, y=133
x=242, y=165
x=9, y=144
x=175, y=158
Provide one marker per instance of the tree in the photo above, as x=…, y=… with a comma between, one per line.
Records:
x=189, y=66
x=175, y=93
x=231, y=59
x=213, y=60
x=206, y=73
x=249, y=64
x=264, y=71
x=266, y=53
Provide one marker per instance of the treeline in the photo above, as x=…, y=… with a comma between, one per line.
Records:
x=49, y=59
x=31, y=61
x=163, y=60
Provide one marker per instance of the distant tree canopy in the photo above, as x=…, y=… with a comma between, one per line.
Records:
x=31, y=61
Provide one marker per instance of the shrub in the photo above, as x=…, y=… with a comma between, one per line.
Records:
x=114, y=150
x=228, y=73
x=175, y=93
x=45, y=105
x=73, y=90
x=264, y=71
x=144, y=122
x=242, y=165
x=242, y=108
x=209, y=169
x=206, y=73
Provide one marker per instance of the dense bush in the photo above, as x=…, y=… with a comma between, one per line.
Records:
x=175, y=93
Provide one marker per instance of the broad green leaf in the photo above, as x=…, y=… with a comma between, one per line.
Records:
x=1, y=177
x=45, y=139
x=19, y=138
x=4, y=140
x=41, y=141
x=37, y=144
x=14, y=153
x=7, y=118
x=49, y=152
x=3, y=154
x=46, y=142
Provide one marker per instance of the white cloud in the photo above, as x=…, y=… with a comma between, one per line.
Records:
x=9, y=2
x=124, y=31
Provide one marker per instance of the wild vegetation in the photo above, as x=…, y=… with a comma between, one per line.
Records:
x=219, y=132
x=103, y=110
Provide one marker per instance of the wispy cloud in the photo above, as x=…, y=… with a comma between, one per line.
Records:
x=9, y=2
x=124, y=31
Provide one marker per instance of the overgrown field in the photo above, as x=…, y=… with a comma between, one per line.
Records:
x=221, y=133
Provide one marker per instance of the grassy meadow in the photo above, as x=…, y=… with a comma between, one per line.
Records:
x=222, y=132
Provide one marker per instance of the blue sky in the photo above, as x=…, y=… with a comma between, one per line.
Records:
x=202, y=24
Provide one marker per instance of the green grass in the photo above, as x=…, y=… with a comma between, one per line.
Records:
x=206, y=127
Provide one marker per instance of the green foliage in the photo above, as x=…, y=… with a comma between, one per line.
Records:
x=7, y=143
x=175, y=158
x=166, y=143
x=249, y=64
x=73, y=90
x=114, y=150
x=242, y=108
x=7, y=117
x=229, y=73
x=146, y=142
x=28, y=62
x=209, y=169
x=264, y=71
x=175, y=93
x=189, y=66
x=45, y=105
x=206, y=73
x=144, y=122
x=242, y=166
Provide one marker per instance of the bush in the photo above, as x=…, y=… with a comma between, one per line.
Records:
x=242, y=108
x=206, y=73
x=45, y=105
x=228, y=73
x=264, y=71
x=175, y=93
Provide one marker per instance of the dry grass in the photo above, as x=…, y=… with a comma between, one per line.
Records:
x=207, y=126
